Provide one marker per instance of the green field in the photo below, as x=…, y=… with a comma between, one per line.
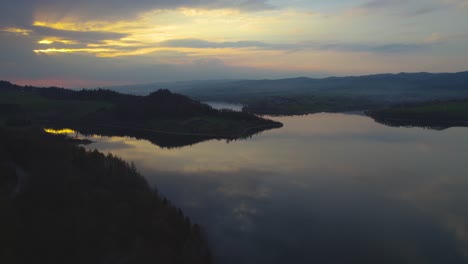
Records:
x=433, y=114
x=309, y=104
x=42, y=107
x=447, y=109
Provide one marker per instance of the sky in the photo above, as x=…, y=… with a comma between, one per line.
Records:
x=94, y=43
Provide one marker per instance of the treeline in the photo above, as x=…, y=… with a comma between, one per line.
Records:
x=85, y=95
x=58, y=93
x=435, y=114
x=62, y=204
x=160, y=104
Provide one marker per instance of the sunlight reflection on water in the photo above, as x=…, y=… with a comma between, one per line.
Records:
x=62, y=131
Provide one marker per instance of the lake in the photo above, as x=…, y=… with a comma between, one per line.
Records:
x=224, y=105
x=325, y=188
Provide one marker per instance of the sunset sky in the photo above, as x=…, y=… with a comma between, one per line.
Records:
x=109, y=42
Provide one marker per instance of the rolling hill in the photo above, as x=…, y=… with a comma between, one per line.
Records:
x=333, y=94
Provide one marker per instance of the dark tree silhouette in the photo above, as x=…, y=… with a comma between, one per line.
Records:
x=62, y=204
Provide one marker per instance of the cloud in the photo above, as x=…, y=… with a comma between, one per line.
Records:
x=405, y=8
x=146, y=40
x=78, y=36
x=20, y=64
x=423, y=10
x=199, y=43
x=17, y=31
x=375, y=48
x=457, y=3
x=347, y=47
x=374, y=6
x=378, y=4
x=437, y=38
x=434, y=38
x=191, y=51
x=210, y=62
x=25, y=11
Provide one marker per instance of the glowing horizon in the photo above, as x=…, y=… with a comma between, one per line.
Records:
x=143, y=42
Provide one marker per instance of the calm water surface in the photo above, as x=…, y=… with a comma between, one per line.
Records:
x=325, y=188
x=224, y=105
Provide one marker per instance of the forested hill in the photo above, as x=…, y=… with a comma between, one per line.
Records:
x=162, y=104
x=152, y=117
x=62, y=204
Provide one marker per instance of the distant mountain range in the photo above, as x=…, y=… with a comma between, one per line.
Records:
x=307, y=95
x=375, y=84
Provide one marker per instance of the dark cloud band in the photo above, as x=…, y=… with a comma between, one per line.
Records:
x=79, y=36
x=21, y=13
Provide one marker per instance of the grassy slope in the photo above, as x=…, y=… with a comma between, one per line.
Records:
x=450, y=110
x=43, y=107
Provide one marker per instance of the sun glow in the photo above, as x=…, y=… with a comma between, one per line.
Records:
x=58, y=26
x=84, y=50
x=53, y=40
x=45, y=41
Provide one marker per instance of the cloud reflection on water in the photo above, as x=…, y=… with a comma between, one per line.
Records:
x=325, y=187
